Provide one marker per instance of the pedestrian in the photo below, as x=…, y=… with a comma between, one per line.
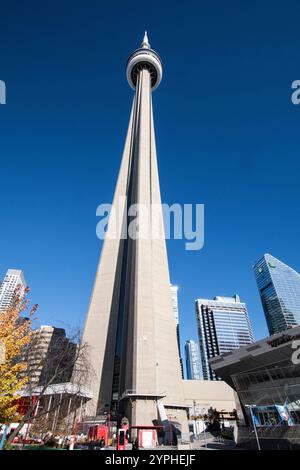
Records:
x=71, y=443
x=135, y=445
x=92, y=445
x=102, y=443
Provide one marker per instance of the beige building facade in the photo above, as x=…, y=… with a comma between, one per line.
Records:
x=209, y=393
x=201, y=395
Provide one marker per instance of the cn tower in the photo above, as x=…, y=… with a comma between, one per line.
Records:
x=130, y=326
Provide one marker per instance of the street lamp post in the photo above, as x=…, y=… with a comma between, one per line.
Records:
x=195, y=422
x=203, y=410
x=254, y=426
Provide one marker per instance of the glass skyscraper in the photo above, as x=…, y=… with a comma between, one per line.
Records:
x=174, y=298
x=223, y=325
x=279, y=289
x=192, y=360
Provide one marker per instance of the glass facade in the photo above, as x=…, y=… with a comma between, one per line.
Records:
x=223, y=325
x=279, y=289
x=266, y=378
x=268, y=391
x=174, y=298
x=192, y=360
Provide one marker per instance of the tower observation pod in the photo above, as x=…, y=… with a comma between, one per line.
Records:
x=144, y=58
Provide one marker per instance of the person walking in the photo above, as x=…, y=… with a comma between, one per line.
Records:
x=135, y=445
x=102, y=443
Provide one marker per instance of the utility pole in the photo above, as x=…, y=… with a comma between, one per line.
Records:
x=195, y=422
x=202, y=413
x=254, y=426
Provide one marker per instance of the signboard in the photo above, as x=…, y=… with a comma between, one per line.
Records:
x=147, y=438
x=282, y=340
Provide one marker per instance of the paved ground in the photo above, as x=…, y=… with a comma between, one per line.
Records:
x=213, y=444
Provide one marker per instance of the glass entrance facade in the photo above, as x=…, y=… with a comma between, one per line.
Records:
x=272, y=393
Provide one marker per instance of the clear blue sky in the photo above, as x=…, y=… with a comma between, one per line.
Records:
x=227, y=136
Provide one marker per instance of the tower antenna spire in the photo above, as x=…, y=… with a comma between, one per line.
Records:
x=145, y=44
x=144, y=57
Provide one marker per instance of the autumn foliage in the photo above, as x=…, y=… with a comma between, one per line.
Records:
x=15, y=334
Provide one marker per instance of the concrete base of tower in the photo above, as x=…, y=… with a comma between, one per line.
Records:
x=144, y=412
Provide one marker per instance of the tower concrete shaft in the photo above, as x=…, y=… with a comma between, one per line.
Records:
x=130, y=325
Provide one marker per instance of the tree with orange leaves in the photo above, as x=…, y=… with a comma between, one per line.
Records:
x=15, y=335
